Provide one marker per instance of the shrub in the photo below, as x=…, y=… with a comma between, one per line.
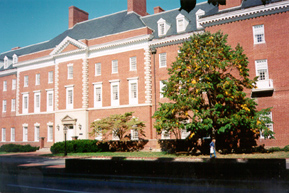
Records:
x=286, y=148
x=79, y=146
x=17, y=148
x=273, y=149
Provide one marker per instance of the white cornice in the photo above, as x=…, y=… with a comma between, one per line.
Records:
x=33, y=61
x=243, y=12
x=68, y=40
x=7, y=72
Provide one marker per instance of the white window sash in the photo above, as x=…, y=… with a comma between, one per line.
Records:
x=163, y=60
x=25, y=81
x=13, y=105
x=12, y=139
x=37, y=79
x=13, y=84
x=97, y=69
x=69, y=98
x=70, y=72
x=97, y=95
x=49, y=101
x=36, y=133
x=4, y=109
x=133, y=91
x=133, y=64
x=115, y=94
x=5, y=85
x=262, y=69
x=37, y=102
x=114, y=66
x=50, y=77
x=3, y=134
x=25, y=133
x=50, y=133
x=259, y=34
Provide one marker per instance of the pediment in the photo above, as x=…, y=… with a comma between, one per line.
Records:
x=68, y=120
x=68, y=45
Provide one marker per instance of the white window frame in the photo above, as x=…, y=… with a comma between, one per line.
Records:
x=114, y=136
x=97, y=103
x=97, y=67
x=133, y=63
x=270, y=125
x=165, y=134
x=13, y=105
x=182, y=23
x=3, y=135
x=114, y=66
x=13, y=84
x=50, y=77
x=114, y=83
x=262, y=65
x=37, y=79
x=6, y=62
x=5, y=85
x=4, y=106
x=15, y=59
x=37, y=102
x=133, y=97
x=25, y=106
x=163, y=27
x=69, y=71
x=26, y=80
x=163, y=60
x=25, y=133
x=12, y=133
x=69, y=101
x=49, y=133
x=198, y=14
x=99, y=135
x=161, y=88
x=49, y=104
x=258, y=30
x=36, y=132
x=134, y=134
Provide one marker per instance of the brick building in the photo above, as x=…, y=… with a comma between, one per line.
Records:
x=93, y=70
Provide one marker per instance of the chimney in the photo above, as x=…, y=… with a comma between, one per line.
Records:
x=230, y=4
x=15, y=48
x=75, y=16
x=138, y=6
x=158, y=9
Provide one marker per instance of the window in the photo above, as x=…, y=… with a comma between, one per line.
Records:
x=258, y=33
x=50, y=77
x=161, y=88
x=133, y=91
x=134, y=134
x=25, y=81
x=184, y=133
x=3, y=134
x=49, y=100
x=70, y=71
x=50, y=133
x=36, y=133
x=165, y=134
x=13, y=84
x=269, y=125
x=25, y=103
x=262, y=69
x=199, y=13
x=163, y=27
x=4, y=109
x=37, y=79
x=114, y=93
x=99, y=135
x=97, y=69
x=163, y=60
x=114, y=66
x=97, y=95
x=132, y=62
x=4, y=85
x=114, y=134
x=13, y=105
x=182, y=23
x=5, y=62
x=37, y=102
x=69, y=97
x=25, y=133
x=15, y=59
x=12, y=134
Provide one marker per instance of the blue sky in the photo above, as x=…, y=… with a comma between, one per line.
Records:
x=27, y=22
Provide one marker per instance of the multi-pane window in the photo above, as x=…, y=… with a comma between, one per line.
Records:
x=133, y=91
x=5, y=62
x=12, y=134
x=25, y=133
x=165, y=134
x=114, y=93
x=25, y=81
x=163, y=59
x=15, y=59
x=50, y=77
x=114, y=66
x=49, y=100
x=182, y=23
x=4, y=106
x=259, y=34
x=161, y=88
x=134, y=134
x=70, y=71
x=37, y=79
x=262, y=69
x=25, y=103
x=269, y=125
x=50, y=133
x=4, y=85
x=13, y=84
x=114, y=134
x=133, y=63
x=163, y=27
x=3, y=134
x=98, y=95
x=13, y=105
x=99, y=135
x=36, y=133
x=36, y=102
x=69, y=97
x=97, y=69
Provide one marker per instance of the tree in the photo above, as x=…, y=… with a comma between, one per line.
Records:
x=117, y=125
x=189, y=5
x=206, y=89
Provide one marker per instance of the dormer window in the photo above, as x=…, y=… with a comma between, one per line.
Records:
x=182, y=23
x=15, y=59
x=5, y=62
x=163, y=27
x=199, y=13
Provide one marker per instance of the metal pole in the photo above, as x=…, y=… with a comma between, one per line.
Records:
x=65, y=152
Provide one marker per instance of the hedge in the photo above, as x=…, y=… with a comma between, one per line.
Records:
x=17, y=148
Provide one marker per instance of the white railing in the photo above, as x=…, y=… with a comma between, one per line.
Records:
x=264, y=85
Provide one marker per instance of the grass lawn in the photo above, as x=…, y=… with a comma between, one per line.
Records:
x=280, y=154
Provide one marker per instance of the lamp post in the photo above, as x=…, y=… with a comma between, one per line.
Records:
x=65, y=132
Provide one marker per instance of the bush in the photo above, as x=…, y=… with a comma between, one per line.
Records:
x=79, y=146
x=17, y=148
x=286, y=148
x=273, y=149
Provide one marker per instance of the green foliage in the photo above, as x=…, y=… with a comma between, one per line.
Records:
x=118, y=124
x=17, y=148
x=286, y=148
x=79, y=146
x=206, y=89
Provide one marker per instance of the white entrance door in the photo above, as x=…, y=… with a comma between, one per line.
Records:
x=70, y=132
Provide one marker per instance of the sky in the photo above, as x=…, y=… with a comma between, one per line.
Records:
x=28, y=22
